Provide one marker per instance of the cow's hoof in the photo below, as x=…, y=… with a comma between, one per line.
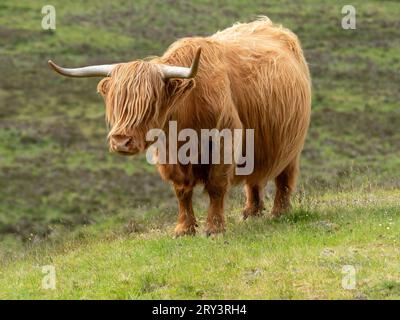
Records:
x=184, y=230
x=252, y=212
x=277, y=212
x=214, y=230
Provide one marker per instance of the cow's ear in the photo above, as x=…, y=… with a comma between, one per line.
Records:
x=103, y=86
x=176, y=88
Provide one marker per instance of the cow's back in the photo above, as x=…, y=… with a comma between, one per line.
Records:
x=271, y=89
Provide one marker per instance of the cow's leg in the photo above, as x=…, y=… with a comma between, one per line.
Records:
x=186, y=220
x=285, y=184
x=221, y=174
x=215, y=218
x=254, y=200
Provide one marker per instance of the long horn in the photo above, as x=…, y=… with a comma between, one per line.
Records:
x=91, y=71
x=182, y=72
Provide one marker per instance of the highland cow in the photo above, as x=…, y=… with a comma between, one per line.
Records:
x=249, y=76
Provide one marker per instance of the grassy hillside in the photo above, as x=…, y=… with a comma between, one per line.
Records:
x=105, y=221
x=300, y=256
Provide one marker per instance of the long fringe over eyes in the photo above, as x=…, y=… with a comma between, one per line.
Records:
x=133, y=95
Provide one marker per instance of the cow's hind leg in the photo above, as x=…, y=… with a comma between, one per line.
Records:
x=285, y=184
x=254, y=200
x=186, y=220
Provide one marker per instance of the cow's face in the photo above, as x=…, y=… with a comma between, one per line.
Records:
x=134, y=97
x=138, y=96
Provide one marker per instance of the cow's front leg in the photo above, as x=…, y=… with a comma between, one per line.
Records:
x=215, y=218
x=186, y=220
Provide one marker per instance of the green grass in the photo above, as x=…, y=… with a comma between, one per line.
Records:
x=298, y=256
x=105, y=221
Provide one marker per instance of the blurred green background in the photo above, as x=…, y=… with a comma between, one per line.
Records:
x=56, y=173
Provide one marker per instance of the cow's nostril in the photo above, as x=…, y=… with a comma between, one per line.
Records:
x=127, y=142
x=121, y=142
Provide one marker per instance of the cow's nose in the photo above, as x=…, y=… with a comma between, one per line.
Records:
x=121, y=143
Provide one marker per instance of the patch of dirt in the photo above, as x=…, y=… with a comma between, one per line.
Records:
x=12, y=36
x=371, y=124
x=36, y=188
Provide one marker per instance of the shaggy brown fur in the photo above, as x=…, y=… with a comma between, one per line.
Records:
x=252, y=76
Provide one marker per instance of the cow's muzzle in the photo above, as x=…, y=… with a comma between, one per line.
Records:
x=123, y=145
